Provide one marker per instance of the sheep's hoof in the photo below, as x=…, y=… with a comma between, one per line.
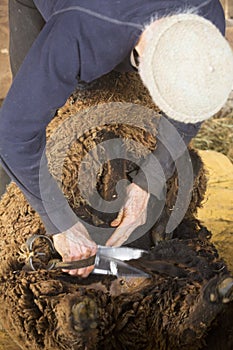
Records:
x=84, y=315
x=225, y=290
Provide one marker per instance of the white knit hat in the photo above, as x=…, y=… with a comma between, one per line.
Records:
x=187, y=66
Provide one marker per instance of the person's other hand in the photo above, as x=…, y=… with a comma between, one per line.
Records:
x=75, y=244
x=132, y=215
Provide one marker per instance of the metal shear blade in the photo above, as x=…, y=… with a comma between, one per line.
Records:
x=107, y=261
x=112, y=266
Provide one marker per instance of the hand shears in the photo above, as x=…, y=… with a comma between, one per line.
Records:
x=107, y=261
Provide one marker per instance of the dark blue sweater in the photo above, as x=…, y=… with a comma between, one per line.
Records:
x=82, y=39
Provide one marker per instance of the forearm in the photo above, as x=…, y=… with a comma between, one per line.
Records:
x=49, y=202
x=159, y=166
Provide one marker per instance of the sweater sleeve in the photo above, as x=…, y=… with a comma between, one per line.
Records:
x=159, y=166
x=45, y=80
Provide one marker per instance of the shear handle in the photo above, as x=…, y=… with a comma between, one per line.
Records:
x=55, y=264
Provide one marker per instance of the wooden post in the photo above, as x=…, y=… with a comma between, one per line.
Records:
x=228, y=8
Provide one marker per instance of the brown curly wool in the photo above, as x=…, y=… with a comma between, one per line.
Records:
x=180, y=307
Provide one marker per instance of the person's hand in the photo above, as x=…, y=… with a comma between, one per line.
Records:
x=75, y=244
x=132, y=214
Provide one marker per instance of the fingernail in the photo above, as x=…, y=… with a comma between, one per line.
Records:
x=115, y=223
